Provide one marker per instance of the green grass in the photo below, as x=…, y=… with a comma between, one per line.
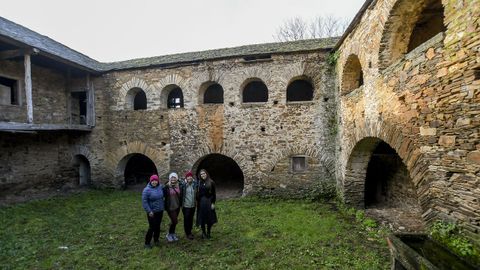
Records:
x=105, y=230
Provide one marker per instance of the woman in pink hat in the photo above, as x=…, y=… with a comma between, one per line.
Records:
x=153, y=203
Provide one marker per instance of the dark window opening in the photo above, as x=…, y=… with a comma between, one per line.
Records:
x=79, y=108
x=223, y=170
x=299, y=164
x=175, y=98
x=257, y=57
x=255, y=91
x=352, y=74
x=300, y=90
x=140, y=101
x=138, y=170
x=429, y=24
x=213, y=94
x=388, y=183
x=9, y=91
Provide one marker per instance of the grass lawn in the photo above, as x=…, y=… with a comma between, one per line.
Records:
x=105, y=230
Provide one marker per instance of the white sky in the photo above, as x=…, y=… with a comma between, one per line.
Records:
x=108, y=30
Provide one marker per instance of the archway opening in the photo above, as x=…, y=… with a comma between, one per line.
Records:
x=299, y=90
x=255, y=91
x=136, y=99
x=410, y=24
x=388, y=183
x=175, y=98
x=138, y=169
x=213, y=94
x=84, y=170
x=377, y=180
x=352, y=77
x=224, y=171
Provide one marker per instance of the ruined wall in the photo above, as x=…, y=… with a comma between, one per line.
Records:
x=425, y=105
x=256, y=135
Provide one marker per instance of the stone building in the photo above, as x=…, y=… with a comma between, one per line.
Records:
x=387, y=114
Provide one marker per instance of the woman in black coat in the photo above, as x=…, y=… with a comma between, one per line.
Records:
x=206, y=197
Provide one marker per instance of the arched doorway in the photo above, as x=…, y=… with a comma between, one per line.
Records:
x=377, y=180
x=224, y=171
x=83, y=165
x=137, y=169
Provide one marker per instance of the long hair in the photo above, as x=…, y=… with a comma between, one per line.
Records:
x=208, y=181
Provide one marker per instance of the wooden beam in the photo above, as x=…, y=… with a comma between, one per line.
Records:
x=90, y=102
x=28, y=88
x=14, y=126
x=4, y=55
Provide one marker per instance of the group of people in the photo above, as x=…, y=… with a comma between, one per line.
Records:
x=187, y=195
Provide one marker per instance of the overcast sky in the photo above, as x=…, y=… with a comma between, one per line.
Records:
x=108, y=30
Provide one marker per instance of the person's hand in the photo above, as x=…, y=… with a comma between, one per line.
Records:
x=213, y=206
x=150, y=214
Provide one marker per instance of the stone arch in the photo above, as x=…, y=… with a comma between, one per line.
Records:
x=165, y=84
x=210, y=86
x=82, y=159
x=136, y=99
x=254, y=90
x=160, y=157
x=166, y=97
x=359, y=151
x=403, y=29
x=125, y=101
x=301, y=83
x=84, y=170
x=224, y=170
x=352, y=76
x=316, y=152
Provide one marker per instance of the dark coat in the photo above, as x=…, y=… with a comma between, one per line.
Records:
x=166, y=192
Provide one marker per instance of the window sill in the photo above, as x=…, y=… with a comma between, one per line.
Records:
x=306, y=102
x=254, y=104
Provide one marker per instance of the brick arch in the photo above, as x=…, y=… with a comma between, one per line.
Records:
x=135, y=82
x=161, y=158
x=316, y=152
x=359, y=150
x=398, y=29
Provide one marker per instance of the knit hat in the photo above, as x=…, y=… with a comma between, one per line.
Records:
x=154, y=178
x=172, y=175
x=189, y=173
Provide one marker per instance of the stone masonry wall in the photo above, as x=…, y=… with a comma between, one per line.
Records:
x=175, y=139
x=425, y=105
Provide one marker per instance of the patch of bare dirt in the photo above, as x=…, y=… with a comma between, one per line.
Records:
x=398, y=219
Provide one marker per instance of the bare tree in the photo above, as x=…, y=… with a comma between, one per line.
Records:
x=320, y=27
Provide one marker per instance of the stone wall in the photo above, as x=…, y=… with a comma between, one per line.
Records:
x=256, y=136
x=424, y=104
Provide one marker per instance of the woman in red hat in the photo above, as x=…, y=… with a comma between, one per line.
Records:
x=189, y=189
x=153, y=203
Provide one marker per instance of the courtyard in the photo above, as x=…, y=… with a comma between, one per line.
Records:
x=105, y=230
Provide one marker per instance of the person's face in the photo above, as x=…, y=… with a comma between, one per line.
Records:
x=173, y=180
x=154, y=183
x=203, y=175
x=189, y=179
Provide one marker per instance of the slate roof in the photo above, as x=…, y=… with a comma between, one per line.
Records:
x=54, y=49
x=247, y=50
x=47, y=45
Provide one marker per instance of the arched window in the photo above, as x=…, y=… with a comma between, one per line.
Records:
x=410, y=24
x=352, y=74
x=213, y=94
x=136, y=99
x=255, y=91
x=174, y=96
x=299, y=90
